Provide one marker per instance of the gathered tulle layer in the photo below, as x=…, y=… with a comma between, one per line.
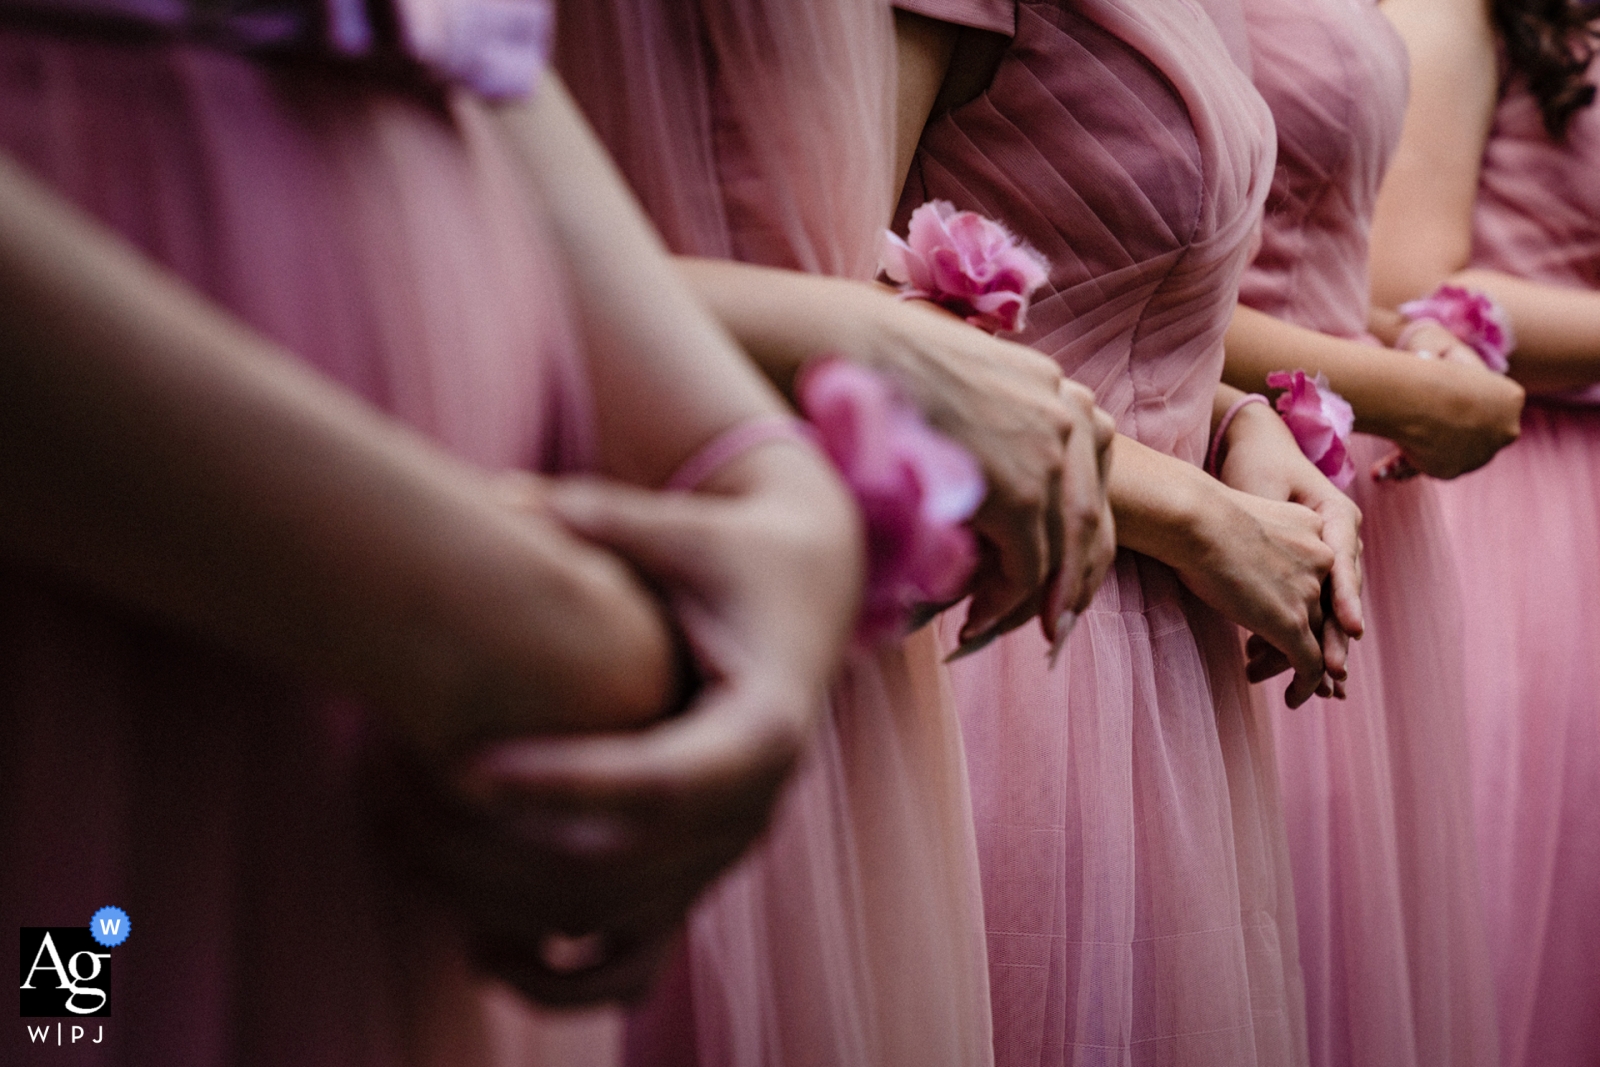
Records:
x=762, y=131
x=853, y=935
x=384, y=240
x=1376, y=797
x=1524, y=531
x=1135, y=879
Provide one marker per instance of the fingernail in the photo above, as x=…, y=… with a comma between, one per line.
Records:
x=1064, y=624
x=975, y=644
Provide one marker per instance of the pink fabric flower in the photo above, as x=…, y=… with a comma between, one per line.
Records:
x=965, y=262
x=915, y=487
x=1473, y=317
x=1321, y=421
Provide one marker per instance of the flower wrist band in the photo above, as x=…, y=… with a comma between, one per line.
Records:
x=1213, y=464
x=734, y=442
x=966, y=263
x=1471, y=315
x=914, y=488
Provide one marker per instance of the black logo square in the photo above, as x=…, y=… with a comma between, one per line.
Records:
x=65, y=973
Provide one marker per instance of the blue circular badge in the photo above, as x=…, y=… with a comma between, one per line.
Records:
x=110, y=926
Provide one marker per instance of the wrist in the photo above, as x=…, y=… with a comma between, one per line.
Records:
x=1160, y=505
x=522, y=638
x=1230, y=428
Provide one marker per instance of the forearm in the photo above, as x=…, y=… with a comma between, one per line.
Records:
x=1557, y=329
x=783, y=318
x=163, y=456
x=665, y=375
x=1156, y=501
x=1381, y=385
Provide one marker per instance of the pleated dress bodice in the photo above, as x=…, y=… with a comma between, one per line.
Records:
x=1120, y=140
x=1135, y=881
x=1335, y=75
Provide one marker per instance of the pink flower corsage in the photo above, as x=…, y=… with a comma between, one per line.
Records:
x=966, y=263
x=915, y=487
x=1475, y=319
x=1321, y=421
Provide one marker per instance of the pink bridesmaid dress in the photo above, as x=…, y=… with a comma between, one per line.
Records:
x=1135, y=874
x=1525, y=531
x=375, y=228
x=1375, y=788
x=762, y=131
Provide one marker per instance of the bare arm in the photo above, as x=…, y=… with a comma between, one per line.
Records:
x=631, y=303
x=925, y=48
x=1259, y=562
x=1040, y=440
x=1447, y=417
x=1422, y=231
x=162, y=454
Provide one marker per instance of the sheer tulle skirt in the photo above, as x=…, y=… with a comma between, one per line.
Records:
x=1135, y=877
x=853, y=936
x=1524, y=530
x=762, y=131
x=381, y=237
x=1376, y=798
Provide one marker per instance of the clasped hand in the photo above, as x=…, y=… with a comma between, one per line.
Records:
x=1301, y=538
x=573, y=860
x=1466, y=412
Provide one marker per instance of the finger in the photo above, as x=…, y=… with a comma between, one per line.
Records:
x=1105, y=435
x=521, y=490
x=663, y=533
x=734, y=746
x=1305, y=655
x=1019, y=550
x=624, y=978
x=1335, y=650
x=1083, y=506
x=1344, y=591
x=1269, y=664
x=1302, y=689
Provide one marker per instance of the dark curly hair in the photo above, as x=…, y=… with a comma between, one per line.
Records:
x=1551, y=43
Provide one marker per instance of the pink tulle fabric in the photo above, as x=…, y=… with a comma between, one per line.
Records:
x=387, y=241
x=1375, y=787
x=1321, y=421
x=1525, y=530
x=964, y=262
x=762, y=130
x=1135, y=875
x=915, y=489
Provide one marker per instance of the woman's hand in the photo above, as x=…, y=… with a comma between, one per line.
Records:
x=575, y=859
x=1045, y=528
x=1447, y=418
x=1465, y=412
x=1262, y=459
x=1262, y=563
x=1044, y=447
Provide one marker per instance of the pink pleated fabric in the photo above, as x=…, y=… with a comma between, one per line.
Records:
x=1135, y=875
x=1375, y=787
x=1525, y=530
x=382, y=236
x=761, y=130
